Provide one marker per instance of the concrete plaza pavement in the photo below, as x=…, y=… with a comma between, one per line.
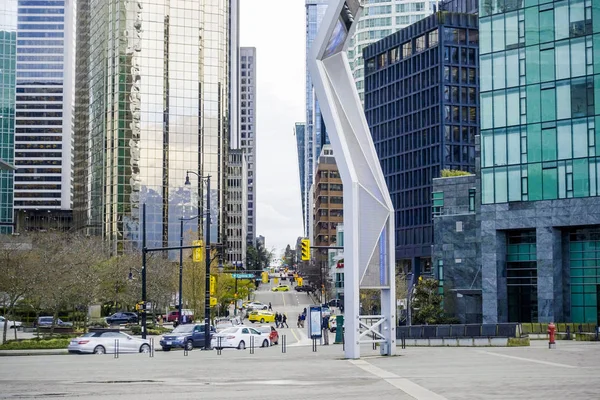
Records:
x=570, y=371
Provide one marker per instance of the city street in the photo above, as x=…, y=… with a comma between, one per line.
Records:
x=570, y=371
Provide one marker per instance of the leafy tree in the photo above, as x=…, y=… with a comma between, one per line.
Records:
x=427, y=303
x=18, y=274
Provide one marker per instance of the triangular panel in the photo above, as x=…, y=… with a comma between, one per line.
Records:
x=372, y=219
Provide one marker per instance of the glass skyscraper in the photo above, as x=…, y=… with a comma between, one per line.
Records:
x=248, y=132
x=540, y=171
x=300, y=133
x=316, y=136
x=380, y=19
x=8, y=58
x=158, y=107
x=44, y=105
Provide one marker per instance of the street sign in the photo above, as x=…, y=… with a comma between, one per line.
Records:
x=299, y=280
x=314, y=322
x=265, y=277
x=213, y=301
x=243, y=276
x=198, y=253
x=213, y=284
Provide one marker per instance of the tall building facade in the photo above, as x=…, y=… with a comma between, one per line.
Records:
x=158, y=106
x=300, y=134
x=8, y=63
x=248, y=131
x=381, y=18
x=540, y=101
x=316, y=135
x=44, y=105
x=237, y=208
x=421, y=103
x=328, y=199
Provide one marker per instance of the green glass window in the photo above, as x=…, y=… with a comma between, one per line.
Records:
x=487, y=185
x=565, y=145
x=501, y=185
x=596, y=15
x=499, y=108
x=498, y=32
x=561, y=20
x=512, y=30
x=485, y=35
x=512, y=68
x=499, y=65
x=563, y=99
x=547, y=63
x=548, y=98
x=532, y=64
x=580, y=146
x=549, y=144
x=581, y=184
x=534, y=143
x=499, y=147
x=550, y=184
x=546, y=26
x=578, y=57
x=534, y=180
x=533, y=104
x=514, y=183
x=563, y=59
x=532, y=29
x=486, y=75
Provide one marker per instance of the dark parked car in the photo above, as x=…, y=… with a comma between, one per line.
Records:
x=305, y=288
x=47, y=322
x=122, y=318
x=335, y=303
x=185, y=336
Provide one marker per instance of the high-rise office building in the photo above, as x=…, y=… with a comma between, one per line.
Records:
x=421, y=103
x=8, y=62
x=300, y=133
x=158, y=106
x=315, y=136
x=248, y=130
x=540, y=214
x=237, y=208
x=44, y=110
x=381, y=18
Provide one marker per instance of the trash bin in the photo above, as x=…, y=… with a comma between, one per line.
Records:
x=339, y=329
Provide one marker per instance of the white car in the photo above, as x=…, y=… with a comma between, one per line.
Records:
x=239, y=337
x=255, y=305
x=11, y=324
x=105, y=342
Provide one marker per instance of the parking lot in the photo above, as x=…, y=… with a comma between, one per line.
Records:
x=570, y=371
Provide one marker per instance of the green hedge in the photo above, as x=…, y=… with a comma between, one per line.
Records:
x=34, y=344
x=518, y=342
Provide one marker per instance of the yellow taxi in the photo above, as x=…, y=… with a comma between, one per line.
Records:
x=281, y=288
x=261, y=316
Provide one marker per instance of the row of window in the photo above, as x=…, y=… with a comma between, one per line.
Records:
x=538, y=64
x=565, y=140
x=541, y=181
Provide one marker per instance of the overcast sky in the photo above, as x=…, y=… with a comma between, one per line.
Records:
x=277, y=29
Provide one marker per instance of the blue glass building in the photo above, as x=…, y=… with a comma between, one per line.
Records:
x=8, y=58
x=300, y=133
x=421, y=103
x=316, y=135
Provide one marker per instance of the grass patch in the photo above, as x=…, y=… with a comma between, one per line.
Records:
x=36, y=344
x=518, y=342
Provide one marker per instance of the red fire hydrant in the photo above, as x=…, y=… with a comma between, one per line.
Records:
x=551, y=332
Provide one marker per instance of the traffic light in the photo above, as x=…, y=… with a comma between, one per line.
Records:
x=305, y=250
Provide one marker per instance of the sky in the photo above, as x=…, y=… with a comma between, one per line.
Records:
x=277, y=29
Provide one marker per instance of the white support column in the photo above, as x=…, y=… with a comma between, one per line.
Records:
x=369, y=250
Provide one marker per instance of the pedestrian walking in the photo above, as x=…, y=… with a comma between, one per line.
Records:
x=277, y=317
x=325, y=327
x=299, y=322
x=302, y=319
x=270, y=307
x=284, y=321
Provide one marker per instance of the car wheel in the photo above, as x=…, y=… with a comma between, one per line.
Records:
x=145, y=348
x=242, y=345
x=99, y=350
x=262, y=320
x=189, y=345
x=166, y=349
x=265, y=343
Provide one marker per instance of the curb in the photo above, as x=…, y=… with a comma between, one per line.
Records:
x=42, y=352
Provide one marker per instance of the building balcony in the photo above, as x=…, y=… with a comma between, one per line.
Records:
x=451, y=211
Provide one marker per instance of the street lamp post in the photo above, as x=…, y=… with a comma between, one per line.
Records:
x=207, y=257
x=181, y=222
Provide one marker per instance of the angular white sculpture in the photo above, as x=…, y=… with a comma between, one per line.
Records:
x=369, y=248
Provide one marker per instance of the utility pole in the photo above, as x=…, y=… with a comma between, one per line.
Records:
x=207, y=293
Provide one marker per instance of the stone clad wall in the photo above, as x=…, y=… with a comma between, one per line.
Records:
x=459, y=248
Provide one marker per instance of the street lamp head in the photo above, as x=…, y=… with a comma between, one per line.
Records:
x=187, y=179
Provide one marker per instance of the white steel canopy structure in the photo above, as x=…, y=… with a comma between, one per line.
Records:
x=369, y=257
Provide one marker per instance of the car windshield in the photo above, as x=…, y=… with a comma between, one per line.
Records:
x=184, y=329
x=230, y=330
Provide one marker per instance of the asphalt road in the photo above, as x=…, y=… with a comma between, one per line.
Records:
x=570, y=371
